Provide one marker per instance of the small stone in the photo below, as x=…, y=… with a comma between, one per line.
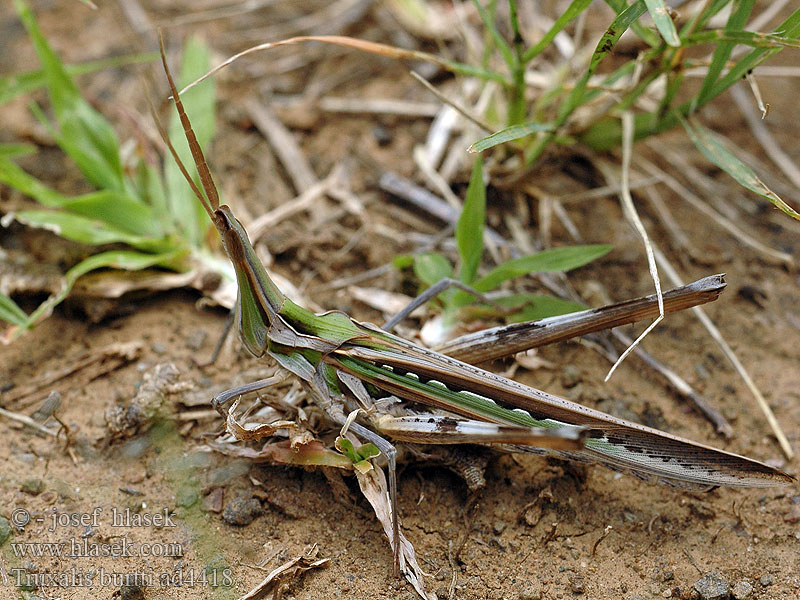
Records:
x=741, y=590
x=33, y=486
x=241, y=511
x=570, y=376
x=766, y=580
x=159, y=348
x=577, y=584
x=532, y=591
x=195, y=340
x=499, y=527
x=131, y=592
x=5, y=530
x=186, y=496
x=793, y=515
x=712, y=586
x=213, y=501
x=382, y=135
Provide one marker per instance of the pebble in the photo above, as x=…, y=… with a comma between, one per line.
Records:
x=186, y=496
x=577, y=584
x=159, y=348
x=741, y=590
x=531, y=591
x=766, y=579
x=33, y=486
x=570, y=376
x=712, y=586
x=241, y=511
x=5, y=530
x=382, y=135
x=131, y=592
x=213, y=501
x=195, y=340
x=499, y=527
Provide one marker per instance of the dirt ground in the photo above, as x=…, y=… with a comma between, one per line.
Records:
x=538, y=529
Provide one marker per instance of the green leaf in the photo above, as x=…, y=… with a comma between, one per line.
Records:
x=547, y=261
x=403, y=261
x=200, y=105
x=118, y=209
x=14, y=176
x=10, y=312
x=79, y=228
x=432, y=268
x=83, y=133
x=469, y=229
x=715, y=150
x=15, y=85
x=508, y=134
x=663, y=21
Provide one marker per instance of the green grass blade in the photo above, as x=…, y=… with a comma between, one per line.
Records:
x=747, y=38
x=548, y=261
x=789, y=29
x=14, y=176
x=200, y=105
x=660, y=13
x=15, y=150
x=624, y=20
x=650, y=37
x=508, y=134
x=12, y=86
x=572, y=11
x=714, y=149
x=499, y=42
x=740, y=12
x=469, y=229
x=83, y=133
x=10, y=312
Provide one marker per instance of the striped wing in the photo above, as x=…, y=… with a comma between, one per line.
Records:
x=421, y=375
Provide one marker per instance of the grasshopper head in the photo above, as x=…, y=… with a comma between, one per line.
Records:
x=259, y=299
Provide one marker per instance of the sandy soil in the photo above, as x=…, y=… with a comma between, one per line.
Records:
x=537, y=530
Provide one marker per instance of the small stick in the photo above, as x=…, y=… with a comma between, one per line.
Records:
x=603, y=536
x=27, y=421
x=454, y=105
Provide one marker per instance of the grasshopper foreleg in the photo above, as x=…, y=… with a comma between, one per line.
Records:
x=220, y=400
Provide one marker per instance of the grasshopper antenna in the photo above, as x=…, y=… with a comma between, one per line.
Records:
x=210, y=200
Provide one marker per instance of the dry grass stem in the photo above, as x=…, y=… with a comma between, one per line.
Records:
x=775, y=256
x=630, y=213
x=283, y=144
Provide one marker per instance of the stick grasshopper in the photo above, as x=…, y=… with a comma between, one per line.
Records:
x=345, y=365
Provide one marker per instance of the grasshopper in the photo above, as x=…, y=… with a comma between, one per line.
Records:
x=344, y=365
